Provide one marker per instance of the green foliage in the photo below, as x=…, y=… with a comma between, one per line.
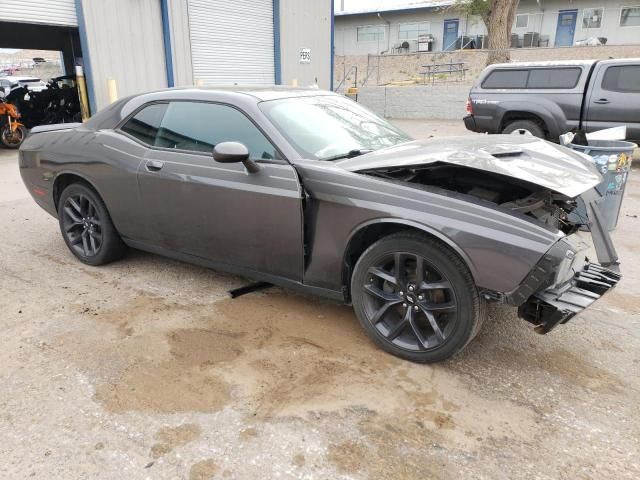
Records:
x=475, y=7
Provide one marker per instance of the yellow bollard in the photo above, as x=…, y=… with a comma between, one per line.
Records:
x=82, y=94
x=112, y=90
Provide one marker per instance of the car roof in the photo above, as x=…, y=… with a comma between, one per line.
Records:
x=548, y=63
x=14, y=78
x=261, y=92
x=240, y=95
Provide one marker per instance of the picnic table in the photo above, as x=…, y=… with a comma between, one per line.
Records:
x=451, y=68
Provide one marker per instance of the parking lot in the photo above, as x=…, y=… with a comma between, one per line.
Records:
x=146, y=369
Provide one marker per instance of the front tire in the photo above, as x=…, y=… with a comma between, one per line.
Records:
x=13, y=139
x=415, y=298
x=86, y=226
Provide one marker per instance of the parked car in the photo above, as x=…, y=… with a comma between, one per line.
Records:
x=548, y=99
x=39, y=61
x=11, y=82
x=309, y=190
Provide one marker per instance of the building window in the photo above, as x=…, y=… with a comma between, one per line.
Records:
x=592, y=17
x=410, y=31
x=371, y=33
x=522, y=20
x=630, y=16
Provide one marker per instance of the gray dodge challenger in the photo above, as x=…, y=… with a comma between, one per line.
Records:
x=308, y=190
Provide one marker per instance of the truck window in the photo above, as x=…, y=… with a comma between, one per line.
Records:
x=506, y=79
x=623, y=78
x=554, y=77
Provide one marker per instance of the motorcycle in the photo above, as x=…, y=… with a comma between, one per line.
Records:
x=12, y=132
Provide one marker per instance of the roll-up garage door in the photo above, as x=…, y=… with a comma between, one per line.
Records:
x=47, y=12
x=232, y=41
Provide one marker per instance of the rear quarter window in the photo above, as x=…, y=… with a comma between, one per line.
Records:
x=554, y=77
x=506, y=79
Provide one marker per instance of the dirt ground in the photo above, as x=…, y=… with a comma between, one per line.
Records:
x=146, y=369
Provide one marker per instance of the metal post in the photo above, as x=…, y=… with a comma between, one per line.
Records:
x=82, y=94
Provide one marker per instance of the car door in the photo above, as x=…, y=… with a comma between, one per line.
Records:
x=221, y=212
x=614, y=98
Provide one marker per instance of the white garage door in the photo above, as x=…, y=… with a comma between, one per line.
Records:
x=48, y=12
x=232, y=41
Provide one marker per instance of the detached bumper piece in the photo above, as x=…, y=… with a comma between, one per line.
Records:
x=559, y=304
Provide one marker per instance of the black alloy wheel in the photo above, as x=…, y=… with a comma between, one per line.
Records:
x=82, y=225
x=410, y=302
x=416, y=298
x=86, y=226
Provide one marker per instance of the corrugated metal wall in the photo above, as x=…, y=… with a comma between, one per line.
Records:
x=180, y=42
x=48, y=12
x=306, y=24
x=232, y=41
x=125, y=43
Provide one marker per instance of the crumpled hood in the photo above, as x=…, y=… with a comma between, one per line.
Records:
x=523, y=157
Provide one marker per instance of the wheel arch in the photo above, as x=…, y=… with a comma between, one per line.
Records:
x=64, y=179
x=547, y=115
x=367, y=233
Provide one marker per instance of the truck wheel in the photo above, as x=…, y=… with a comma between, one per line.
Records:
x=525, y=127
x=86, y=226
x=415, y=298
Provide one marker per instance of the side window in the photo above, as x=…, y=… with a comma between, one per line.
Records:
x=623, y=78
x=506, y=79
x=144, y=125
x=554, y=77
x=198, y=127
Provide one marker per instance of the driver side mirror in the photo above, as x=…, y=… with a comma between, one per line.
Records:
x=234, y=152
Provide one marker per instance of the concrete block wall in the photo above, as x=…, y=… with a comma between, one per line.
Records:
x=438, y=102
x=384, y=69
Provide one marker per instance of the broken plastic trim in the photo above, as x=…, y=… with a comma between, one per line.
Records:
x=606, y=252
x=556, y=305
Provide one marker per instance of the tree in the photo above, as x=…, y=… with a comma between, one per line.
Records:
x=498, y=16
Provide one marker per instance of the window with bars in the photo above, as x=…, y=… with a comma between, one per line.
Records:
x=592, y=17
x=370, y=33
x=630, y=16
x=410, y=31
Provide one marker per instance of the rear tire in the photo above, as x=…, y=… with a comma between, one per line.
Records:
x=416, y=298
x=86, y=226
x=523, y=127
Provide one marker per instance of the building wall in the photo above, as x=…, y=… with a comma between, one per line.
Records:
x=306, y=24
x=124, y=40
x=406, y=69
x=180, y=43
x=543, y=19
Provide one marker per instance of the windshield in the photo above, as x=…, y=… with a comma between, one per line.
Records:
x=330, y=126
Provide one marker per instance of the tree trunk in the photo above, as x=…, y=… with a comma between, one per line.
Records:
x=499, y=20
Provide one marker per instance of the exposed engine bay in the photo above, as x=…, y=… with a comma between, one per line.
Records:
x=523, y=197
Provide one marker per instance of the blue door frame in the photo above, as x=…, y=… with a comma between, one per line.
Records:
x=450, y=34
x=566, y=28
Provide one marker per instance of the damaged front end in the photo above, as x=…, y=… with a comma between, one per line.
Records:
x=531, y=178
x=577, y=282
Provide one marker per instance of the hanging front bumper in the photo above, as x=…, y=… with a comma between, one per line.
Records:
x=550, y=307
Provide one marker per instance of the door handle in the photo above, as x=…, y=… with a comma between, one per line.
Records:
x=602, y=101
x=154, y=165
